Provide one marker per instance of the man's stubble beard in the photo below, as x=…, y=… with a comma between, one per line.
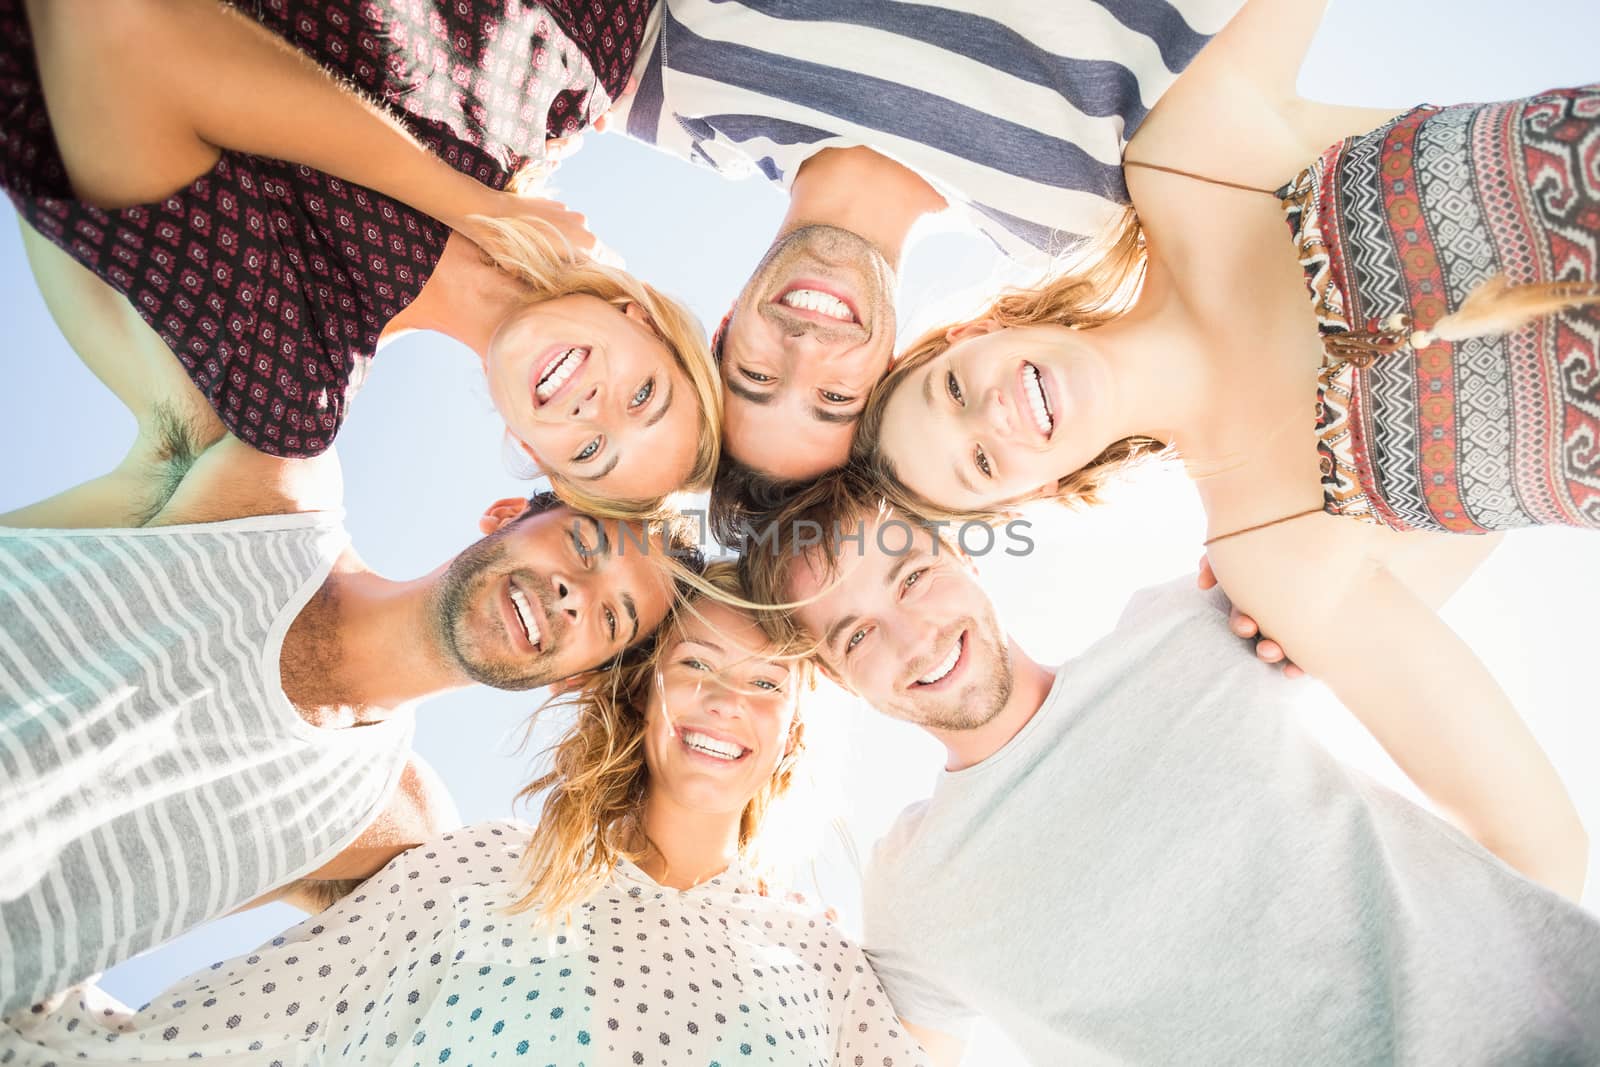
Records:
x=460, y=587
x=979, y=701
x=820, y=241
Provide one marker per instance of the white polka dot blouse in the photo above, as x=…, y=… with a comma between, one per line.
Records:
x=424, y=965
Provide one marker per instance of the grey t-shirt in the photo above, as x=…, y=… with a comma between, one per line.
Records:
x=1163, y=867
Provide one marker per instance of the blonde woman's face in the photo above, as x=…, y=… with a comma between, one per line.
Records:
x=720, y=711
x=595, y=396
x=997, y=417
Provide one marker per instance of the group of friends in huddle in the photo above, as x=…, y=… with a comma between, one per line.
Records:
x=1371, y=339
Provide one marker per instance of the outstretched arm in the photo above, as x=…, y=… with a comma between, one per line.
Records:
x=143, y=94
x=1416, y=686
x=174, y=422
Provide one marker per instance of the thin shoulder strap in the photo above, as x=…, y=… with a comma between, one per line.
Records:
x=1261, y=526
x=1200, y=177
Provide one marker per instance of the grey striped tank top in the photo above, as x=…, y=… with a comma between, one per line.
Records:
x=152, y=773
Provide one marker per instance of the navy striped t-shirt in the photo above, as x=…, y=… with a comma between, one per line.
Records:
x=1015, y=111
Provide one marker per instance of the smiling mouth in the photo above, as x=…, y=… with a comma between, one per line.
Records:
x=559, y=373
x=1038, y=403
x=714, y=747
x=527, y=617
x=948, y=664
x=818, y=302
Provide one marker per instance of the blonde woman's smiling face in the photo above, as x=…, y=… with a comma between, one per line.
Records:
x=720, y=711
x=997, y=417
x=595, y=396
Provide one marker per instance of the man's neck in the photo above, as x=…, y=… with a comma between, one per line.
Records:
x=687, y=847
x=465, y=298
x=1030, y=684
x=362, y=647
x=857, y=189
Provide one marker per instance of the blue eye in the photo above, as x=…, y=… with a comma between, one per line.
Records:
x=588, y=451
x=646, y=391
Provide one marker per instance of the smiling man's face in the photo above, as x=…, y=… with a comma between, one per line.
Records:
x=546, y=596
x=809, y=337
x=911, y=632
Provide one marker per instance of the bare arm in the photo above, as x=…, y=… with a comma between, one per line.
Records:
x=1432, y=565
x=1235, y=113
x=1415, y=685
x=135, y=123
x=419, y=810
x=944, y=1050
x=174, y=423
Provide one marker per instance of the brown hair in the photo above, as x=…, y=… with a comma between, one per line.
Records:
x=1090, y=287
x=829, y=504
x=540, y=259
x=598, y=777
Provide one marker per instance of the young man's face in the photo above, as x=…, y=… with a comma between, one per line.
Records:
x=811, y=334
x=547, y=596
x=910, y=631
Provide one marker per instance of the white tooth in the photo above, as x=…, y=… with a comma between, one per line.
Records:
x=944, y=668
x=529, y=620
x=711, y=746
x=1035, y=390
x=820, y=302
x=559, y=372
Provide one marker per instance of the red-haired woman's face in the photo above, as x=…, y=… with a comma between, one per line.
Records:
x=595, y=396
x=997, y=417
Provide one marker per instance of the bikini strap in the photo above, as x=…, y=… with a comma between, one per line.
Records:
x=1261, y=526
x=1200, y=177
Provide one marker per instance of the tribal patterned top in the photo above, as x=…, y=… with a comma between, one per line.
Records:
x=1487, y=433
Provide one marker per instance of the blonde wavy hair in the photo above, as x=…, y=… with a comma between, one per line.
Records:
x=536, y=255
x=1092, y=286
x=598, y=777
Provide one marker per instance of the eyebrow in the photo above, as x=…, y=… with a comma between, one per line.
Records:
x=843, y=624
x=737, y=388
x=609, y=466
x=905, y=561
x=824, y=415
x=712, y=645
x=661, y=409
x=960, y=470
x=633, y=615
x=836, y=629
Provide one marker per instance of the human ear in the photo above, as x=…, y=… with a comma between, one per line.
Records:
x=501, y=512
x=638, y=314
x=967, y=330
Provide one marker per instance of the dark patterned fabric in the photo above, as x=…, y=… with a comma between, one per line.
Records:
x=1488, y=433
x=271, y=282
x=481, y=82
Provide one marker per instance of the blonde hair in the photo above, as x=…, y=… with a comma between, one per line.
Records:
x=537, y=256
x=598, y=778
x=1091, y=287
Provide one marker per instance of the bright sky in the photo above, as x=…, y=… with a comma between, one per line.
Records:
x=413, y=498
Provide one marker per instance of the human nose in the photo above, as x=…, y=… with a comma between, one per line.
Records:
x=721, y=697
x=586, y=405
x=911, y=637
x=572, y=599
x=997, y=412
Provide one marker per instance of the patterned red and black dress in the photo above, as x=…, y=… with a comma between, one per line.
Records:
x=1476, y=435
x=270, y=281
